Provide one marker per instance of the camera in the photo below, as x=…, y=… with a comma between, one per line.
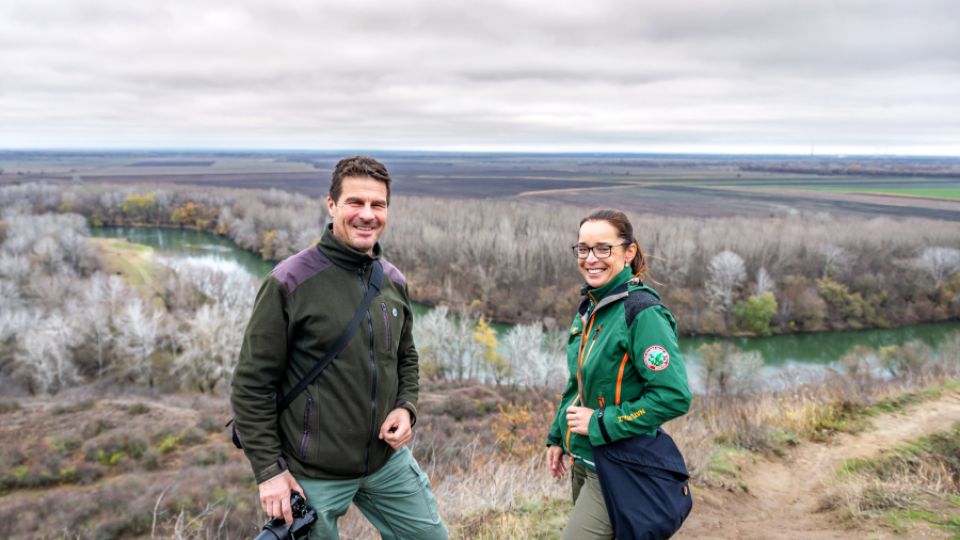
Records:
x=304, y=516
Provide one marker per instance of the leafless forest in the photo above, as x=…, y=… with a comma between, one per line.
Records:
x=509, y=260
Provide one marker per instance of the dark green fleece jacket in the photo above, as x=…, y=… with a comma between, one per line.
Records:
x=330, y=431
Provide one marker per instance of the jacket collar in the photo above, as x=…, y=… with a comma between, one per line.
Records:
x=609, y=292
x=343, y=255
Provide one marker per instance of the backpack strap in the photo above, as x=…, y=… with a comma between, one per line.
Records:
x=636, y=302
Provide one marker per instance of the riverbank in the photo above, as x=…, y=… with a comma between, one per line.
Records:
x=779, y=361
x=193, y=240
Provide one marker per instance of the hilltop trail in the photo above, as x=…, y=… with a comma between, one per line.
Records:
x=784, y=495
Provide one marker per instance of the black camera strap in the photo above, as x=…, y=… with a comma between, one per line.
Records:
x=373, y=288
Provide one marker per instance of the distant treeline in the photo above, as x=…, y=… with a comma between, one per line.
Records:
x=856, y=168
x=511, y=261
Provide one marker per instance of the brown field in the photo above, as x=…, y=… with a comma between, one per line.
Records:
x=667, y=185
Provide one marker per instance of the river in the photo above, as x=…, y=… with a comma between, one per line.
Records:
x=793, y=352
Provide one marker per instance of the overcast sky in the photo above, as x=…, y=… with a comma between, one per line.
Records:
x=866, y=76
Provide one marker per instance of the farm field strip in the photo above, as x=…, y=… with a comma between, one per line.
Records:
x=926, y=193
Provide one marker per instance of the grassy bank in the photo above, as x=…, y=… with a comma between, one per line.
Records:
x=914, y=485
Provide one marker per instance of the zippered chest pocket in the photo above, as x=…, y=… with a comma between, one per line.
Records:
x=387, y=325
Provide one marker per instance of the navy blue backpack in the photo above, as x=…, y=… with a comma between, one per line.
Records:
x=645, y=486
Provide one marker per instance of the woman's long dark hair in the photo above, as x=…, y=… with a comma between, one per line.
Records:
x=624, y=228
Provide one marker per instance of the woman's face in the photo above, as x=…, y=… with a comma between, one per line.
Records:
x=598, y=271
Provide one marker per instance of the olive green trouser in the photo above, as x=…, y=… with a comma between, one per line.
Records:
x=397, y=500
x=589, y=519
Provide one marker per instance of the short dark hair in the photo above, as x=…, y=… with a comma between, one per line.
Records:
x=360, y=167
x=624, y=228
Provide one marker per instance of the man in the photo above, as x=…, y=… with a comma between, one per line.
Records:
x=342, y=439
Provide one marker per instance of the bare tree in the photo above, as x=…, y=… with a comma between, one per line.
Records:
x=15, y=320
x=100, y=300
x=45, y=352
x=15, y=267
x=221, y=281
x=765, y=282
x=532, y=357
x=940, y=262
x=447, y=345
x=726, y=274
x=139, y=338
x=834, y=259
x=210, y=346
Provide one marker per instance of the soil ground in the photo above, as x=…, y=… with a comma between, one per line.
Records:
x=781, y=498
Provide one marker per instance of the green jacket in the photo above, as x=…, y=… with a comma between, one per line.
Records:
x=624, y=362
x=330, y=431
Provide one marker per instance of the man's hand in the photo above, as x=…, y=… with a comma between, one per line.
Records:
x=396, y=430
x=578, y=419
x=275, y=496
x=555, y=461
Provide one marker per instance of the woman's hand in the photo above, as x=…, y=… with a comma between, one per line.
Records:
x=578, y=419
x=555, y=461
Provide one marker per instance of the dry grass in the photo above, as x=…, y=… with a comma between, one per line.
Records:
x=136, y=466
x=917, y=484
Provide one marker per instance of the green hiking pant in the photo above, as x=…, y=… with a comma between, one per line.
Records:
x=589, y=519
x=397, y=500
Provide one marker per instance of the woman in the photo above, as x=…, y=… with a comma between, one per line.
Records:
x=626, y=379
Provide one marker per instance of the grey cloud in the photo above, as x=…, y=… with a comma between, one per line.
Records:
x=420, y=73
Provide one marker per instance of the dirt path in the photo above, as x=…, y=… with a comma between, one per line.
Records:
x=784, y=494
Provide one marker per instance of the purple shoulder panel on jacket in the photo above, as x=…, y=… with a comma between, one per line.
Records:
x=296, y=269
x=393, y=273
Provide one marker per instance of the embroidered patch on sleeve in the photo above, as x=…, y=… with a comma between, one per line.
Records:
x=656, y=358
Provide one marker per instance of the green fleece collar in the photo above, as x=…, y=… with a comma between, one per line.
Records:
x=343, y=255
x=624, y=276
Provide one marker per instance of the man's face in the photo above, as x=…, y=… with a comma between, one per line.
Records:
x=360, y=216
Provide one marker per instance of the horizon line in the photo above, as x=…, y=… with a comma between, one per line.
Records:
x=847, y=153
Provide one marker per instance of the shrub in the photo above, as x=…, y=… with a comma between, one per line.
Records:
x=205, y=457
x=191, y=436
x=755, y=313
x=137, y=409
x=910, y=358
x=521, y=429
x=168, y=444
x=98, y=426
x=858, y=360
x=79, y=406
x=210, y=424
x=9, y=405
x=151, y=460
x=112, y=449
x=727, y=369
x=66, y=444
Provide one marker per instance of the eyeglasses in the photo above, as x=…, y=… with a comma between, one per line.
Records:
x=601, y=251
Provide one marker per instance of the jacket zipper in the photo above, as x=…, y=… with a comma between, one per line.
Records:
x=305, y=441
x=373, y=391
x=581, y=360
